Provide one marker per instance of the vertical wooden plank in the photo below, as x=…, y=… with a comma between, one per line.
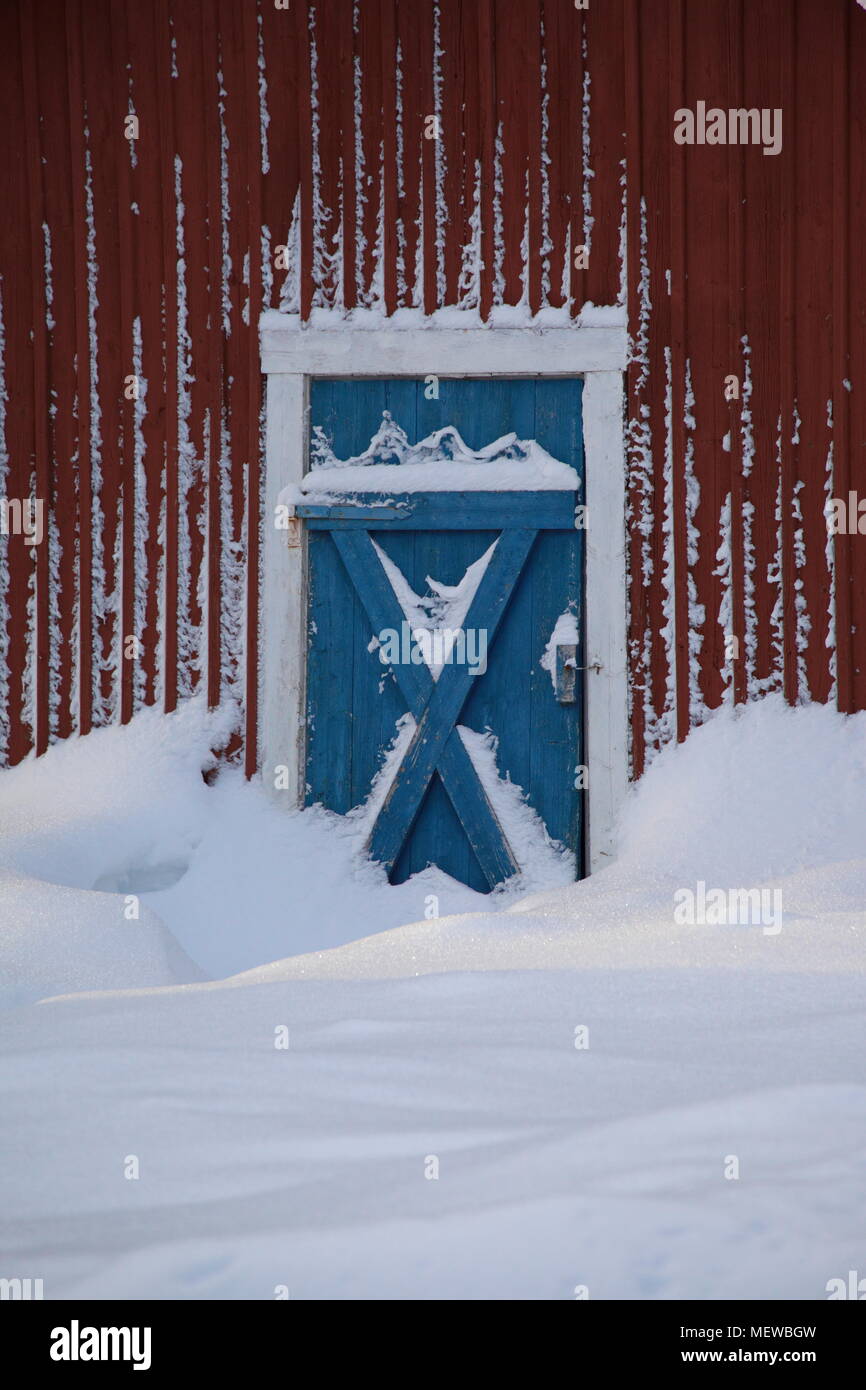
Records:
x=75, y=123
x=253, y=159
x=41, y=402
x=325, y=153
x=853, y=469
x=603, y=27
x=658, y=695
x=463, y=188
x=573, y=137
x=145, y=340
x=513, y=119
x=410, y=100
x=680, y=91
x=763, y=183
x=639, y=437
x=348, y=412
x=390, y=188
x=345, y=61
x=126, y=366
x=369, y=150
x=5, y=476
x=190, y=86
x=239, y=340
x=534, y=224
x=102, y=125
x=843, y=546
x=423, y=20
x=737, y=364
x=487, y=108
x=213, y=352
x=559, y=80
x=557, y=572
x=18, y=559
x=711, y=350
x=789, y=326
x=161, y=57
x=817, y=75
x=330, y=667
x=283, y=59
x=303, y=21
x=61, y=540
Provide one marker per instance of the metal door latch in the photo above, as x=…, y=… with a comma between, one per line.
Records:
x=566, y=672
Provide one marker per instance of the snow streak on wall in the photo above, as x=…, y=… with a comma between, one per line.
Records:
x=370, y=156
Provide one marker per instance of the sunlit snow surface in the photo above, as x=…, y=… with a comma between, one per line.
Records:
x=449, y=1039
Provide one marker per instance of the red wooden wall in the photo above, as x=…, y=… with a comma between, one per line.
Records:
x=261, y=127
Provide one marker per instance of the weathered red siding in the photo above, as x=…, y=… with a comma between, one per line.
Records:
x=261, y=127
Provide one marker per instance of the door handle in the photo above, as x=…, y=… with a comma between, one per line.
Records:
x=566, y=672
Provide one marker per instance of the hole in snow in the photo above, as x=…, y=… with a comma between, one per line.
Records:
x=145, y=878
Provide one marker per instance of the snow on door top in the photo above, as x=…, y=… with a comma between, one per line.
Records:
x=440, y=463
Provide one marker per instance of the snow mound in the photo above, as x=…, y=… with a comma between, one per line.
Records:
x=56, y=940
x=119, y=801
x=756, y=793
x=83, y=831
x=265, y=883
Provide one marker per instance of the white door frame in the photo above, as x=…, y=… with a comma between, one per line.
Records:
x=291, y=356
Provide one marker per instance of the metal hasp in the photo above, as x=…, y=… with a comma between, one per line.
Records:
x=566, y=673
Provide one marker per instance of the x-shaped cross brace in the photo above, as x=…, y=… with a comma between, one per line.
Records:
x=435, y=705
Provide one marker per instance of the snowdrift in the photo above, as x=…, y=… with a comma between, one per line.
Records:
x=762, y=796
x=227, y=882
x=83, y=831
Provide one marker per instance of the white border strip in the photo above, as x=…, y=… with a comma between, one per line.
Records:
x=606, y=651
x=442, y=351
x=290, y=357
x=284, y=597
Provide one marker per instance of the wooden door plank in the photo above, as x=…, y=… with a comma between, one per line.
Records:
x=557, y=583
x=445, y=511
x=330, y=681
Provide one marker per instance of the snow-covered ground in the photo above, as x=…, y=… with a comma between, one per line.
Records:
x=568, y=1089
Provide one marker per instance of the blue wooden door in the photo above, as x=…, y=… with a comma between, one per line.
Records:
x=523, y=552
